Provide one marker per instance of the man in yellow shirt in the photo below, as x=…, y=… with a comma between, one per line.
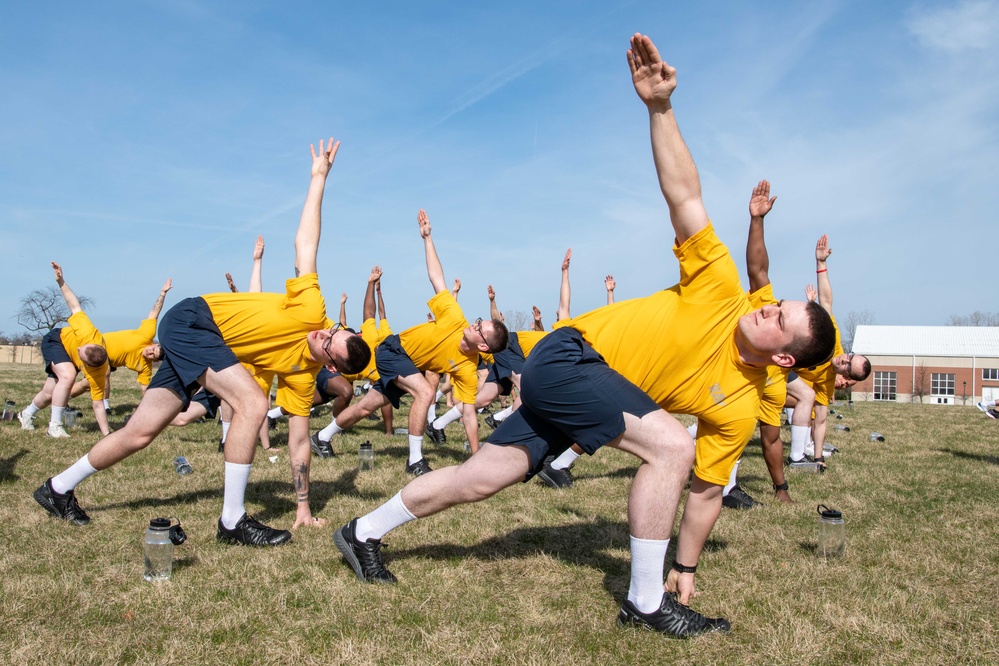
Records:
x=204, y=341
x=66, y=351
x=447, y=344
x=607, y=377
x=134, y=349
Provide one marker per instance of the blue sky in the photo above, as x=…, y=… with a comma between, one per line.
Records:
x=148, y=140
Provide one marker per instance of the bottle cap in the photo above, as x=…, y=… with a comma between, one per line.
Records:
x=159, y=524
x=826, y=512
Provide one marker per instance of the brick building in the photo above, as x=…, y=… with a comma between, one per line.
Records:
x=944, y=365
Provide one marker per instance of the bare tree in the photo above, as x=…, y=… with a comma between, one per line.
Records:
x=517, y=320
x=852, y=320
x=976, y=318
x=921, y=383
x=44, y=309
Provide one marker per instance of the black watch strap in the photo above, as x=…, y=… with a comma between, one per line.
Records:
x=780, y=486
x=682, y=569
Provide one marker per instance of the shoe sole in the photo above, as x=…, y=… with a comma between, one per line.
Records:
x=44, y=502
x=550, y=482
x=348, y=554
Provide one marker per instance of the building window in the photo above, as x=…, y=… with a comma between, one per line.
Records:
x=942, y=383
x=884, y=385
x=990, y=374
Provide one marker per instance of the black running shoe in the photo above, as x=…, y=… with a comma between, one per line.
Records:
x=62, y=506
x=251, y=532
x=221, y=445
x=419, y=468
x=372, y=416
x=437, y=436
x=363, y=557
x=672, y=618
x=491, y=422
x=738, y=498
x=321, y=448
x=271, y=423
x=555, y=478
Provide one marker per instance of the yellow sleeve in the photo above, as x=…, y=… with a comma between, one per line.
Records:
x=718, y=448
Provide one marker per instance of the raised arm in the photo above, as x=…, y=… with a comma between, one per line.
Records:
x=369, y=293
x=822, y=252
x=71, y=300
x=343, y=310
x=158, y=305
x=538, y=324
x=381, y=303
x=655, y=81
x=434, y=269
x=310, y=224
x=611, y=285
x=494, y=312
x=757, y=259
x=563, y=293
x=256, y=281
x=232, y=285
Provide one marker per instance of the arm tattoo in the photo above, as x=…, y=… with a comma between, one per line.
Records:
x=300, y=477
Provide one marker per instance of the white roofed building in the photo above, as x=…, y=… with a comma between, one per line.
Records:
x=944, y=365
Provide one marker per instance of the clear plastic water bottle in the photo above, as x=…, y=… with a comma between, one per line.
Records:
x=182, y=466
x=877, y=437
x=365, y=457
x=9, y=410
x=69, y=417
x=402, y=431
x=844, y=428
x=832, y=532
x=158, y=551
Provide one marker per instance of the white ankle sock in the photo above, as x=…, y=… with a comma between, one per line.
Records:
x=450, y=416
x=503, y=415
x=79, y=472
x=383, y=520
x=30, y=410
x=107, y=403
x=56, y=417
x=431, y=413
x=275, y=413
x=225, y=429
x=732, y=478
x=648, y=559
x=326, y=434
x=565, y=460
x=799, y=437
x=236, y=478
x=415, y=448
x=692, y=429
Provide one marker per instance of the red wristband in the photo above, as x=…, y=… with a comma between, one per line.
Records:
x=822, y=271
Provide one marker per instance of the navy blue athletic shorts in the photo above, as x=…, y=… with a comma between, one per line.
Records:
x=511, y=359
x=392, y=361
x=570, y=395
x=498, y=375
x=209, y=401
x=325, y=374
x=53, y=351
x=191, y=344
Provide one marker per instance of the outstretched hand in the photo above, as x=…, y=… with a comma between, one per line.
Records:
x=376, y=274
x=491, y=293
x=457, y=287
x=822, y=249
x=322, y=162
x=654, y=80
x=232, y=285
x=567, y=259
x=610, y=283
x=424, y=222
x=810, y=292
x=537, y=313
x=167, y=286
x=258, y=249
x=343, y=298
x=760, y=203
x=58, y=272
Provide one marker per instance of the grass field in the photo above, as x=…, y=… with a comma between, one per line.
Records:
x=532, y=576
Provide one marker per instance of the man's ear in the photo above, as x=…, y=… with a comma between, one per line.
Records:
x=483, y=347
x=330, y=367
x=784, y=360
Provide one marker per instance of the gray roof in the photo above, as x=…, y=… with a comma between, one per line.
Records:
x=979, y=341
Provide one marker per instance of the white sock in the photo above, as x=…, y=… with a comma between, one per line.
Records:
x=731, y=478
x=275, y=413
x=648, y=558
x=431, y=412
x=989, y=403
x=236, y=478
x=799, y=437
x=438, y=396
x=30, y=410
x=326, y=434
x=56, y=417
x=565, y=460
x=415, y=448
x=383, y=520
x=225, y=429
x=502, y=416
x=692, y=429
x=788, y=412
x=107, y=403
x=79, y=472
x=450, y=416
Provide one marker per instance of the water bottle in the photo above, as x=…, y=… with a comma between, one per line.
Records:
x=365, y=457
x=839, y=417
x=158, y=551
x=402, y=431
x=844, y=428
x=832, y=532
x=182, y=466
x=877, y=437
x=9, y=410
x=69, y=417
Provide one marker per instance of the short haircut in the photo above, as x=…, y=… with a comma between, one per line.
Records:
x=93, y=355
x=865, y=370
x=499, y=339
x=818, y=345
x=358, y=356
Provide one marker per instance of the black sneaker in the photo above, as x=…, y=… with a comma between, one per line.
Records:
x=555, y=478
x=436, y=436
x=672, y=618
x=738, y=498
x=271, y=423
x=62, y=506
x=221, y=445
x=419, y=468
x=372, y=417
x=363, y=558
x=491, y=422
x=251, y=532
x=321, y=448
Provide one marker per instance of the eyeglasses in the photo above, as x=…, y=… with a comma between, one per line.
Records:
x=478, y=329
x=329, y=341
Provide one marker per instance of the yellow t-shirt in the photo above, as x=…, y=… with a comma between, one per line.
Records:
x=775, y=392
x=373, y=335
x=823, y=377
x=528, y=339
x=125, y=349
x=434, y=346
x=81, y=331
x=269, y=331
x=678, y=345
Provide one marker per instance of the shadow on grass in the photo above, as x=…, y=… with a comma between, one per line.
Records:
x=977, y=457
x=7, y=466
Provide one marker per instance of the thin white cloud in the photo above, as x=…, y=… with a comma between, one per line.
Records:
x=968, y=26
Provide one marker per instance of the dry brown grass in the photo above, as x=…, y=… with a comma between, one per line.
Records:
x=531, y=576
